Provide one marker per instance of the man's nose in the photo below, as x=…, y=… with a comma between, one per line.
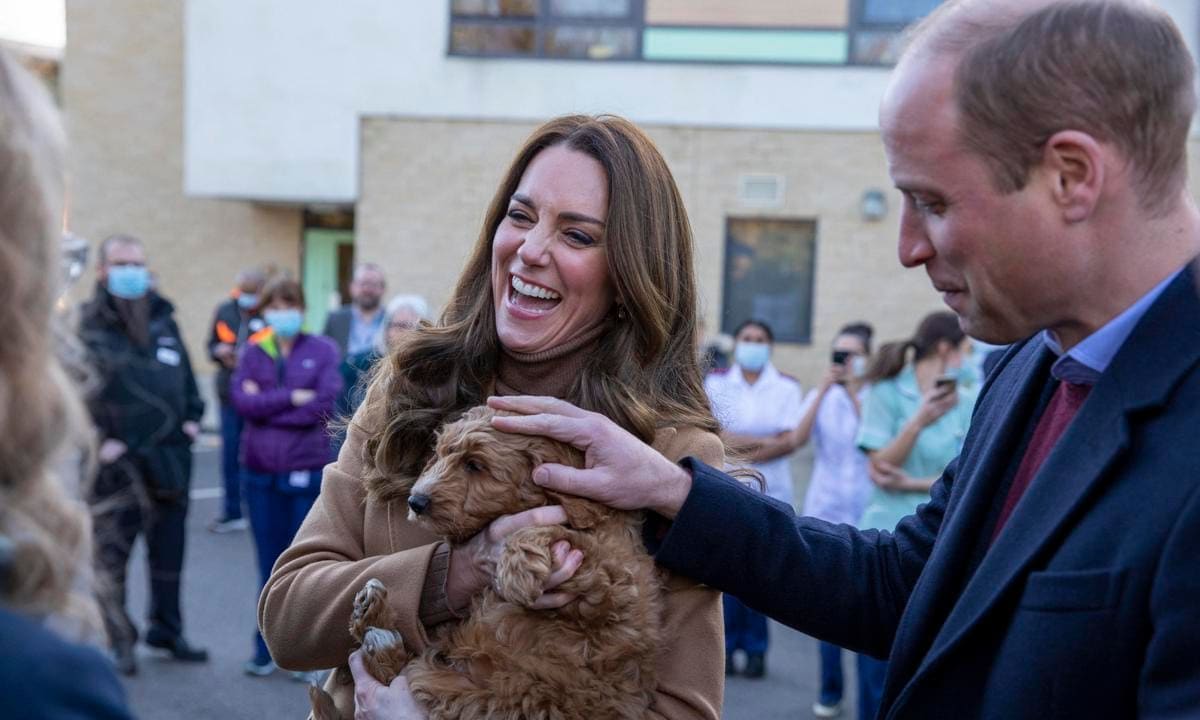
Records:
x=914, y=247
x=419, y=503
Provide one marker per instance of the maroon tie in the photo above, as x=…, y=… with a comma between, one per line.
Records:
x=1063, y=406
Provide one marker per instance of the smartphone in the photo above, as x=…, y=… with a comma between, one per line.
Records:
x=840, y=357
x=946, y=384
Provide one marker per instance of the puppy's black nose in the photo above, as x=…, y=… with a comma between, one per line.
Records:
x=418, y=503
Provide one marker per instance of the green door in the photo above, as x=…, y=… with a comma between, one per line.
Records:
x=328, y=263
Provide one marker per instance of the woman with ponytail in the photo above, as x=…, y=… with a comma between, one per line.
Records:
x=914, y=420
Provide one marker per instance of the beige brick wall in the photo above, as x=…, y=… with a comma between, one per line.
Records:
x=122, y=90
x=426, y=183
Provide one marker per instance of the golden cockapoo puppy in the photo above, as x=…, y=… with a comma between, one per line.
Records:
x=594, y=658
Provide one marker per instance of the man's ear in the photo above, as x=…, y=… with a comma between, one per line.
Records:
x=1075, y=162
x=582, y=514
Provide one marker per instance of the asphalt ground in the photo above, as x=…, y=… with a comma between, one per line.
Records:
x=220, y=588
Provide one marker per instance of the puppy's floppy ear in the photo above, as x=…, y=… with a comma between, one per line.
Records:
x=582, y=514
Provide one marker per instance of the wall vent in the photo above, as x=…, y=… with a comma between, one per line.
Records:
x=761, y=190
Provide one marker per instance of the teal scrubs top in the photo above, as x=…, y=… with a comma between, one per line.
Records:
x=889, y=404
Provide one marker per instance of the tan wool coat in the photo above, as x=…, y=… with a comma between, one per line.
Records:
x=347, y=539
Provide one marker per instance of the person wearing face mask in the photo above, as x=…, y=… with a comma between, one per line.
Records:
x=234, y=321
x=147, y=409
x=284, y=387
x=840, y=484
x=915, y=418
x=759, y=409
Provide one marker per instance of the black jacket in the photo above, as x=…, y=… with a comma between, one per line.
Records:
x=143, y=394
x=229, y=322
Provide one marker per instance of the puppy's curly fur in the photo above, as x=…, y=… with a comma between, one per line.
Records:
x=594, y=658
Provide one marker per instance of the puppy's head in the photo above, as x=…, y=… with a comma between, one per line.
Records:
x=478, y=474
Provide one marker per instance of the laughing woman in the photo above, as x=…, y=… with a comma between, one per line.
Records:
x=581, y=287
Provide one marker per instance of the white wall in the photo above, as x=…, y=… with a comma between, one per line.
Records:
x=274, y=90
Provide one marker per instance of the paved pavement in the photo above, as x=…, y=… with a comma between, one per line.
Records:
x=220, y=591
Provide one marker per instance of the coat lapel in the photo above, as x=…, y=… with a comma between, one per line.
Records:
x=986, y=460
x=1100, y=433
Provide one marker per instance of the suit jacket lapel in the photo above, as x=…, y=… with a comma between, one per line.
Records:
x=1099, y=434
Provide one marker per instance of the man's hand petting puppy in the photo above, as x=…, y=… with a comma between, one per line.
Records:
x=619, y=470
x=473, y=564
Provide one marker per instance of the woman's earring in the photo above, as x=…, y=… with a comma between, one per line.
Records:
x=621, y=314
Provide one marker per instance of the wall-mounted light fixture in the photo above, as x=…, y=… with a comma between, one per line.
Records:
x=873, y=205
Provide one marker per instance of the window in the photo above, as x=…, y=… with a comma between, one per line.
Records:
x=769, y=276
x=812, y=32
x=878, y=33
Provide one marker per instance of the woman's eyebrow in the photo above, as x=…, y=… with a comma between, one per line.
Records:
x=572, y=216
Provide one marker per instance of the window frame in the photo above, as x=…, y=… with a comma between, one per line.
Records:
x=635, y=21
x=783, y=336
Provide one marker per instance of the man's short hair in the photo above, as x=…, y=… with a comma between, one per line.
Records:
x=362, y=267
x=107, y=244
x=1114, y=69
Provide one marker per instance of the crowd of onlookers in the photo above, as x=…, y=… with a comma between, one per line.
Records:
x=283, y=393
x=883, y=426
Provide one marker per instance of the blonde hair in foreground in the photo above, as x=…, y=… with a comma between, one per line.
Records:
x=45, y=533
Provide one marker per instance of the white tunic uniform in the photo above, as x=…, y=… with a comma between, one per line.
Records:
x=840, y=485
x=769, y=406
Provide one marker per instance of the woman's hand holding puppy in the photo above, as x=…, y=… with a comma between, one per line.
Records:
x=473, y=564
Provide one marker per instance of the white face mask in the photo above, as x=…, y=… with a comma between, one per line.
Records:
x=858, y=366
x=751, y=356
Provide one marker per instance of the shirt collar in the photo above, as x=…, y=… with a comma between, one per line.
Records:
x=768, y=374
x=1087, y=361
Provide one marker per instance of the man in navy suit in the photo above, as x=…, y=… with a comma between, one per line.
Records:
x=1040, y=146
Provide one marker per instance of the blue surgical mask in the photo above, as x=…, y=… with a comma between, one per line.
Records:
x=129, y=282
x=285, y=323
x=247, y=301
x=751, y=356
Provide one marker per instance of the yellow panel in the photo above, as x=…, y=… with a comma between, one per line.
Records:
x=791, y=13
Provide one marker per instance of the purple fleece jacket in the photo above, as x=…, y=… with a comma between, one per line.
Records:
x=278, y=436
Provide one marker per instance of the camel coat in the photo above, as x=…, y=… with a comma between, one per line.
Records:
x=304, y=611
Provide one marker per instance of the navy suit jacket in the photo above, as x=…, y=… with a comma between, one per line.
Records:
x=1088, y=603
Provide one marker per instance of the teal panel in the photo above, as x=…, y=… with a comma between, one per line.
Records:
x=320, y=277
x=784, y=46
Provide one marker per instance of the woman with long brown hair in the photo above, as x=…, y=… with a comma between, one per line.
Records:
x=45, y=534
x=580, y=286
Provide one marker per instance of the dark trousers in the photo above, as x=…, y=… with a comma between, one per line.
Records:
x=745, y=629
x=130, y=497
x=832, y=679
x=871, y=673
x=275, y=515
x=231, y=469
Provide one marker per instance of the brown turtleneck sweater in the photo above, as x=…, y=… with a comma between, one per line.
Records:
x=550, y=373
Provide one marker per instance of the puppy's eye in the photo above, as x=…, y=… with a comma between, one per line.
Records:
x=473, y=466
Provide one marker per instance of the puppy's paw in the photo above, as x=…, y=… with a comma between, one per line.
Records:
x=384, y=654
x=524, y=565
x=322, y=704
x=370, y=610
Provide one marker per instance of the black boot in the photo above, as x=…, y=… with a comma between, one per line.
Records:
x=124, y=660
x=756, y=666
x=176, y=645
